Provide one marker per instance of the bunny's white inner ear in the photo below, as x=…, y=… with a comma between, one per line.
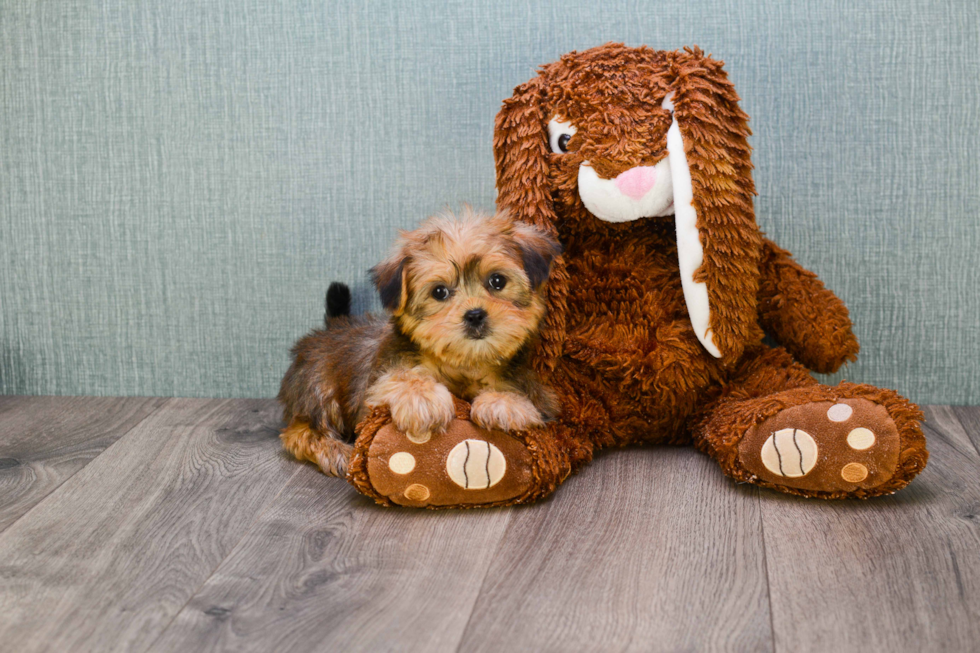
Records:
x=690, y=254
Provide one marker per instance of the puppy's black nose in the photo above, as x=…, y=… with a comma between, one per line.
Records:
x=475, y=317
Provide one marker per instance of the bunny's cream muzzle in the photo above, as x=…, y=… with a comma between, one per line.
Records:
x=640, y=192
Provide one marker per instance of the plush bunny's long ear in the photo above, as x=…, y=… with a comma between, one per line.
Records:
x=718, y=242
x=520, y=151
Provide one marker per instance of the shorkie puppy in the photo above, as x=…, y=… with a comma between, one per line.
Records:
x=465, y=297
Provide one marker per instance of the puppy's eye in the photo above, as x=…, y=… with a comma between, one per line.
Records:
x=559, y=133
x=440, y=293
x=497, y=281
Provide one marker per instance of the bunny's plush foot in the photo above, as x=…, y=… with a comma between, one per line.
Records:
x=465, y=466
x=848, y=441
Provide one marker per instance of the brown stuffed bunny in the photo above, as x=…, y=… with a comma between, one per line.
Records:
x=638, y=161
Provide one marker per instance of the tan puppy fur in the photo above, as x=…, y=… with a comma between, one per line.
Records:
x=465, y=297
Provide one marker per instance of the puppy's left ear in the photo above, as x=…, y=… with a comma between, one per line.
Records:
x=390, y=280
x=538, y=251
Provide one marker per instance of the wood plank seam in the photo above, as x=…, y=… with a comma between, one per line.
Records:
x=197, y=590
x=154, y=512
x=96, y=457
x=765, y=566
x=953, y=412
x=483, y=582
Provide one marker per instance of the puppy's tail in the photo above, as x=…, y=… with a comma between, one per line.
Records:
x=338, y=301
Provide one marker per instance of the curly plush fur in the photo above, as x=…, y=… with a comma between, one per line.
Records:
x=617, y=344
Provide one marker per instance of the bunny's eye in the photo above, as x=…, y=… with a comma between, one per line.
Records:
x=559, y=133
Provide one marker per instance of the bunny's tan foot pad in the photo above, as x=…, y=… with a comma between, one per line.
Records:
x=843, y=446
x=465, y=466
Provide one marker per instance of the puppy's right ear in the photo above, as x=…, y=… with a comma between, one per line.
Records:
x=389, y=278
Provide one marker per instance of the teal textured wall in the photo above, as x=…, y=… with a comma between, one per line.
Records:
x=180, y=181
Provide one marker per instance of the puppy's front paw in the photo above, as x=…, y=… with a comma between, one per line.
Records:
x=505, y=411
x=420, y=405
x=421, y=414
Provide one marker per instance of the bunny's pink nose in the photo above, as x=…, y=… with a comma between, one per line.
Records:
x=635, y=182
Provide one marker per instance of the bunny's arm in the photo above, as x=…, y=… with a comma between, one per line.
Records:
x=801, y=314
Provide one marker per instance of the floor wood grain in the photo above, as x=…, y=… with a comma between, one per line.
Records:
x=46, y=440
x=104, y=562
x=180, y=526
x=327, y=570
x=969, y=418
x=624, y=563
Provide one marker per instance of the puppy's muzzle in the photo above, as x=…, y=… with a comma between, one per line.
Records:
x=475, y=323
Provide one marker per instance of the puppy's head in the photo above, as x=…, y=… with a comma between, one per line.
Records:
x=469, y=289
x=604, y=141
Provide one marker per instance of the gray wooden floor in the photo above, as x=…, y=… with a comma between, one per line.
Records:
x=177, y=525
